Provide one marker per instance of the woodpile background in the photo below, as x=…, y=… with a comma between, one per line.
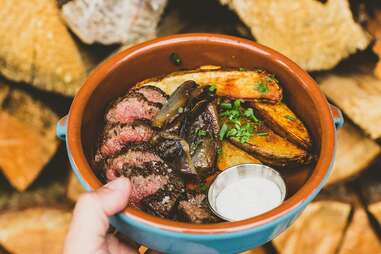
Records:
x=47, y=48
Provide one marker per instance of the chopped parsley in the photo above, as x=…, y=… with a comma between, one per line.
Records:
x=180, y=110
x=219, y=151
x=249, y=113
x=241, y=133
x=212, y=88
x=175, y=59
x=262, y=87
x=242, y=69
x=201, y=133
x=261, y=134
x=232, y=112
x=233, y=128
x=225, y=105
x=272, y=78
x=290, y=117
x=223, y=131
x=203, y=187
x=237, y=104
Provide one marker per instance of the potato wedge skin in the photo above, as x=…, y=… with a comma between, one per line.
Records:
x=274, y=150
x=229, y=82
x=231, y=155
x=284, y=122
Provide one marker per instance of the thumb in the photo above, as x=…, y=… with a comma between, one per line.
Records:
x=90, y=217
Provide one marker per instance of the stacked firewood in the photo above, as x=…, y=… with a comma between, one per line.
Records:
x=47, y=48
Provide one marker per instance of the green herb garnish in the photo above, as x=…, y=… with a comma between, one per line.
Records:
x=201, y=133
x=262, y=87
x=212, y=88
x=262, y=134
x=233, y=128
x=272, y=78
x=203, y=187
x=180, y=110
x=241, y=133
x=175, y=59
x=249, y=113
x=232, y=132
x=223, y=131
x=290, y=117
x=226, y=105
x=237, y=104
x=242, y=69
x=233, y=112
x=219, y=151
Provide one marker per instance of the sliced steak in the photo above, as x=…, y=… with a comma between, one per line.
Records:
x=153, y=94
x=116, y=136
x=132, y=156
x=195, y=209
x=130, y=108
x=164, y=202
x=146, y=180
x=145, y=186
x=151, y=180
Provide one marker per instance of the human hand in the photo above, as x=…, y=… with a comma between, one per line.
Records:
x=88, y=230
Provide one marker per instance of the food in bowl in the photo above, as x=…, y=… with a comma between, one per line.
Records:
x=172, y=135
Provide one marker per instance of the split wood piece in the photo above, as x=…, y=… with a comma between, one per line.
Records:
x=375, y=210
x=354, y=153
x=359, y=231
x=4, y=92
x=340, y=193
x=36, y=47
x=74, y=189
x=27, y=138
x=307, y=231
x=374, y=28
x=360, y=237
x=315, y=35
x=371, y=192
x=47, y=194
x=359, y=97
x=108, y=22
x=35, y=230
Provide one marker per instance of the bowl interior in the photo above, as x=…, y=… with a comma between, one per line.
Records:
x=115, y=77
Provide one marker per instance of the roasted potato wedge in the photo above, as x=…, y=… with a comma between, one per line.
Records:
x=255, y=85
x=231, y=155
x=273, y=150
x=284, y=122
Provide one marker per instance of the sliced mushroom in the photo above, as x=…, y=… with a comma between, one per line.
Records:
x=171, y=110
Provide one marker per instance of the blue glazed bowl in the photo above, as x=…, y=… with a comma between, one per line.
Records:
x=113, y=78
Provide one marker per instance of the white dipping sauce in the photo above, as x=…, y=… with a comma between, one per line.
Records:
x=247, y=198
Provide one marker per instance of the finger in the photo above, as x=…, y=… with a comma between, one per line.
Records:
x=113, y=197
x=90, y=217
x=117, y=247
x=149, y=251
x=126, y=240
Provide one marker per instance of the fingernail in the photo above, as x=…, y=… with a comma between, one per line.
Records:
x=121, y=183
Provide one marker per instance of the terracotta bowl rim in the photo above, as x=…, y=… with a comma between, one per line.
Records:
x=312, y=185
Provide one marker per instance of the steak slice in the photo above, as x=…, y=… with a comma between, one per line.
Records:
x=147, y=180
x=132, y=156
x=116, y=136
x=130, y=108
x=153, y=94
x=195, y=209
x=150, y=180
x=163, y=202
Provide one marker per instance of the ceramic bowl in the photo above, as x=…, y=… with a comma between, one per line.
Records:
x=119, y=73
